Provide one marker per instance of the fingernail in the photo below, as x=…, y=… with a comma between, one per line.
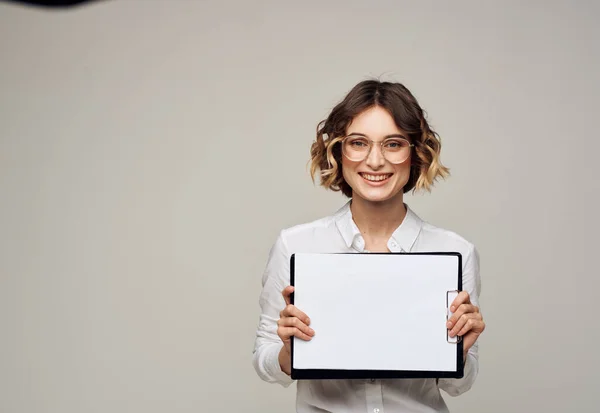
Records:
x=307, y=321
x=312, y=331
x=449, y=323
x=452, y=308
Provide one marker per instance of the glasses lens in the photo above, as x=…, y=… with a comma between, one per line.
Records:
x=396, y=150
x=356, y=148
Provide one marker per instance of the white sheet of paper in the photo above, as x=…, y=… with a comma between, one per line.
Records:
x=375, y=311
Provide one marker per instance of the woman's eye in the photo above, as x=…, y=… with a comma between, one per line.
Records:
x=395, y=144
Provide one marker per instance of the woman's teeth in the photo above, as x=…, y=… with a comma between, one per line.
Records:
x=376, y=178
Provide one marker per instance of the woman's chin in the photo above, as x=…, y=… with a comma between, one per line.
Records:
x=375, y=194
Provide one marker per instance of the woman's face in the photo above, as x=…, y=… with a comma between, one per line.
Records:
x=375, y=179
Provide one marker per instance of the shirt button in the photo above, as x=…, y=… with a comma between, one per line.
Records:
x=372, y=380
x=376, y=410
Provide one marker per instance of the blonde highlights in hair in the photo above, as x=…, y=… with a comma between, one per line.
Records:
x=324, y=160
x=326, y=153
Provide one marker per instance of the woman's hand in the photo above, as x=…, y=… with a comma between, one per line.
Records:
x=466, y=321
x=292, y=323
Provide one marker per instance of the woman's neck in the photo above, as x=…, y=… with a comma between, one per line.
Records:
x=377, y=221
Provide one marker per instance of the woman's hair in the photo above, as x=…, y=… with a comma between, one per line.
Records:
x=326, y=151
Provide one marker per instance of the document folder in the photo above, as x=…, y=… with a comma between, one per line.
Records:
x=376, y=315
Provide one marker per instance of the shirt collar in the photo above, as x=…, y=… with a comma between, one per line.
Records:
x=402, y=238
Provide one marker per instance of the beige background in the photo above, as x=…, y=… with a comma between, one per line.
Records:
x=150, y=151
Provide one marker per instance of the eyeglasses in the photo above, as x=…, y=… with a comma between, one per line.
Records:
x=357, y=148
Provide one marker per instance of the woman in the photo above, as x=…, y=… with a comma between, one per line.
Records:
x=374, y=147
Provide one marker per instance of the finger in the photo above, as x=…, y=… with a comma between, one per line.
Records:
x=458, y=325
x=295, y=322
x=287, y=332
x=461, y=323
x=472, y=324
x=462, y=309
x=461, y=298
x=293, y=311
x=287, y=291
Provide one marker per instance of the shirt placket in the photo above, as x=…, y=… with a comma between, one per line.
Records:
x=374, y=396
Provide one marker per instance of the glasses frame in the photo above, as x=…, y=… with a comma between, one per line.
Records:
x=372, y=143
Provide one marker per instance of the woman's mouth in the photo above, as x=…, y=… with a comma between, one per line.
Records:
x=375, y=179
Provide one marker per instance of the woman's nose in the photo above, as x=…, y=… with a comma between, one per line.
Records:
x=375, y=158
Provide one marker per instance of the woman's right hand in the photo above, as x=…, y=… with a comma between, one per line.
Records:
x=292, y=323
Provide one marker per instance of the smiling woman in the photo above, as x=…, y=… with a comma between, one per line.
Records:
x=375, y=146
x=383, y=109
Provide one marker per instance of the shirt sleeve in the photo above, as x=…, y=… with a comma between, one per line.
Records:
x=267, y=343
x=471, y=284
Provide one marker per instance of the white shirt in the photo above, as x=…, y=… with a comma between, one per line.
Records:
x=339, y=233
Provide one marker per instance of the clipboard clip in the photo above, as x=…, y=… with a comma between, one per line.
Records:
x=450, y=297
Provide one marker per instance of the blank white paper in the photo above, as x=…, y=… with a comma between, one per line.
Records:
x=375, y=311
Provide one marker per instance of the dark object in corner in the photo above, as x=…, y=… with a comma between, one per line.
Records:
x=51, y=3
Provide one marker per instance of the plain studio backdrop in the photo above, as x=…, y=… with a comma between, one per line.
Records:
x=150, y=152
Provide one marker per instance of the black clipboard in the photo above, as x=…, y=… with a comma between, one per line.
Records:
x=312, y=373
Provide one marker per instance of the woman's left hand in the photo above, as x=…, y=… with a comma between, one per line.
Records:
x=466, y=321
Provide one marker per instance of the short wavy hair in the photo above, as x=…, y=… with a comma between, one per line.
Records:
x=326, y=153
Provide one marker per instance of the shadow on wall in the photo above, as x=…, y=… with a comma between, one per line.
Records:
x=51, y=3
